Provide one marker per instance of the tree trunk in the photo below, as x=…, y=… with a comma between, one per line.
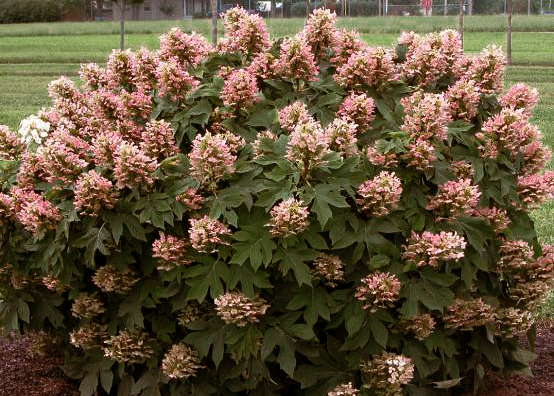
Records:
x=445, y=7
x=461, y=23
x=123, y=9
x=214, y=22
x=273, y=9
x=509, y=33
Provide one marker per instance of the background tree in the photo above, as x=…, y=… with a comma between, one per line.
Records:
x=122, y=6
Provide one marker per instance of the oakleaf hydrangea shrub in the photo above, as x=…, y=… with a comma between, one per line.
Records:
x=306, y=216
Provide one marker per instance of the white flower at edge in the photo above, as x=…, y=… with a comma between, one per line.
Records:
x=33, y=130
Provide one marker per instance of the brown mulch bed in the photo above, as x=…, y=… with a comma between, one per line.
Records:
x=25, y=373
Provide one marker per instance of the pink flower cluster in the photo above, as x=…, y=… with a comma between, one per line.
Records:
x=456, y=198
x=294, y=114
x=380, y=195
x=119, y=69
x=507, y=131
x=487, y=70
x=158, y=141
x=427, y=116
x=377, y=158
x=174, y=82
x=240, y=89
x=290, y=217
x=11, y=147
x=191, y=199
x=212, y=158
x=431, y=57
x=420, y=154
x=341, y=135
x=378, y=290
x=520, y=96
x=244, y=32
x=33, y=211
x=462, y=169
x=93, y=76
x=370, y=67
x=320, y=31
x=308, y=144
x=235, y=308
x=498, y=218
x=188, y=49
x=515, y=256
x=463, y=100
x=206, y=233
x=296, y=61
x=387, y=373
x=430, y=249
x=535, y=189
x=171, y=252
x=144, y=69
x=359, y=109
x=133, y=168
x=344, y=44
x=93, y=193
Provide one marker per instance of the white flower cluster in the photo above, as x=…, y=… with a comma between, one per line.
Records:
x=33, y=130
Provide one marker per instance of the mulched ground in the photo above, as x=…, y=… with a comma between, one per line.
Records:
x=28, y=374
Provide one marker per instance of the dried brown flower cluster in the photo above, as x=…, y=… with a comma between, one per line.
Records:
x=235, y=308
x=110, y=279
x=329, y=268
x=386, y=374
x=87, y=307
x=129, y=346
x=88, y=336
x=465, y=315
x=181, y=361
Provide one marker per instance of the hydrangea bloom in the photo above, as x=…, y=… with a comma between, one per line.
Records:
x=465, y=315
x=430, y=249
x=133, y=168
x=344, y=44
x=145, y=63
x=111, y=280
x=33, y=130
x=34, y=212
x=320, y=30
x=420, y=155
x=520, y=96
x=514, y=256
x=510, y=322
x=191, y=199
x=421, y=326
x=158, y=141
x=94, y=76
x=171, y=252
x=88, y=336
x=212, y=158
x=507, y=131
x=387, y=373
x=371, y=67
x=308, y=144
x=431, y=57
x=427, y=116
x=181, y=361
x=87, y=306
x=240, y=89
x=119, y=72
x=380, y=195
x=205, y=234
x=296, y=61
x=235, y=308
x=344, y=390
x=11, y=147
x=293, y=115
x=262, y=66
x=534, y=190
x=463, y=100
x=290, y=217
x=359, y=109
x=329, y=268
x=244, y=32
x=378, y=290
x=93, y=193
x=487, y=70
x=456, y=198
x=129, y=346
x=342, y=137
x=174, y=82
x=498, y=218
x=188, y=49
x=377, y=158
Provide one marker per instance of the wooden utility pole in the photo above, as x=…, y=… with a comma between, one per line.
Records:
x=214, y=22
x=461, y=23
x=509, y=33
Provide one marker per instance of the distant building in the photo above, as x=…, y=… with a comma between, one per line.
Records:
x=162, y=9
